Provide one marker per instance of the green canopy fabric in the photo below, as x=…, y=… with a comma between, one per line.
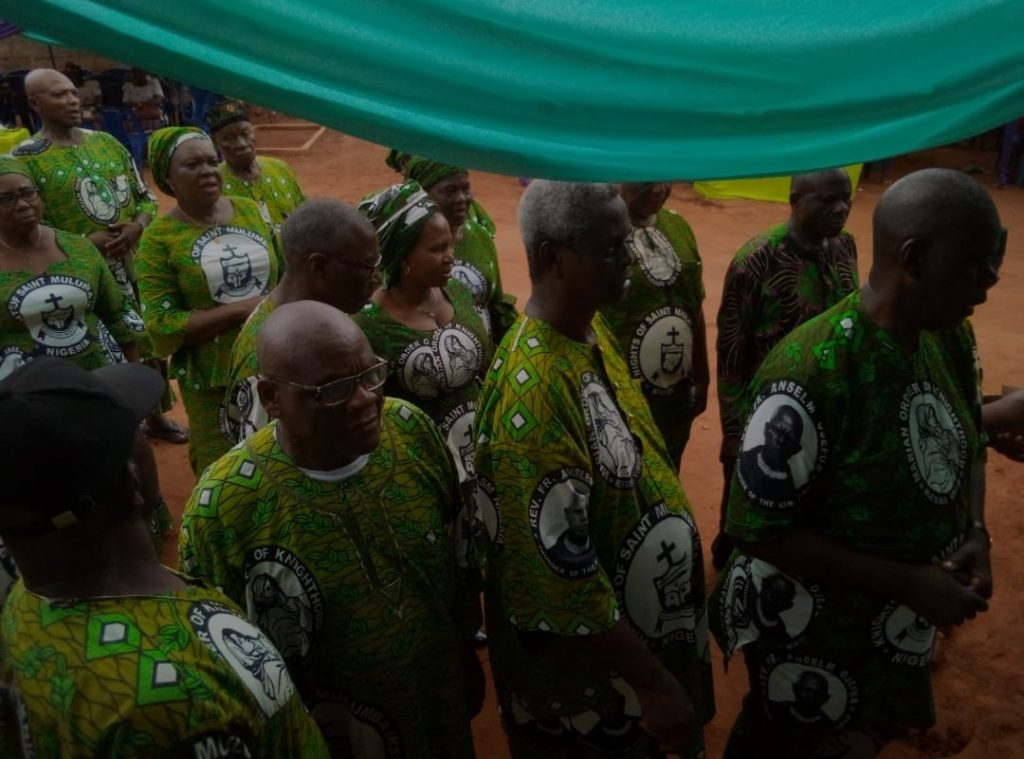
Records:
x=588, y=89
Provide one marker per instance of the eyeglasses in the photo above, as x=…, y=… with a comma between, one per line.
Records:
x=337, y=392
x=363, y=264
x=10, y=199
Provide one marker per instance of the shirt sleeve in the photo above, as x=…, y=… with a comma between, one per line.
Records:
x=115, y=310
x=163, y=304
x=735, y=323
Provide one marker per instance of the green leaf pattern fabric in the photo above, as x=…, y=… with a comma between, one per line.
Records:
x=276, y=191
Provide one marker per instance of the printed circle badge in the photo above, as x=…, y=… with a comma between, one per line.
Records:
x=654, y=576
x=235, y=262
x=934, y=441
x=904, y=635
x=247, y=651
x=418, y=371
x=661, y=350
x=241, y=413
x=122, y=190
x=472, y=278
x=757, y=600
x=11, y=358
x=490, y=512
x=560, y=519
x=110, y=346
x=655, y=254
x=784, y=446
x=53, y=310
x=284, y=599
x=457, y=430
x=807, y=692
x=459, y=353
x=96, y=200
x=612, y=445
x=356, y=728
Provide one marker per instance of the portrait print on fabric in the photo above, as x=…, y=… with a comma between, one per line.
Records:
x=559, y=513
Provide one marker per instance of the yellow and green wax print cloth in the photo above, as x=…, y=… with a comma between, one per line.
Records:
x=276, y=191
x=241, y=412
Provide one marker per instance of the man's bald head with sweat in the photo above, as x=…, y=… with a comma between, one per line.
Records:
x=55, y=98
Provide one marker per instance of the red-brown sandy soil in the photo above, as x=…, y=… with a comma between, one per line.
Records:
x=979, y=674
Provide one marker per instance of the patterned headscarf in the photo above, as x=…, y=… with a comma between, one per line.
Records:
x=399, y=214
x=11, y=165
x=162, y=144
x=396, y=159
x=428, y=172
x=224, y=113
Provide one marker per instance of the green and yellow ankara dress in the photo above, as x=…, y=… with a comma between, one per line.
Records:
x=183, y=268
x=656, y=321
x=852, y=437
x=476, y=267
x=587, y=524
x=151, y=677
x=241, y=412
x=276, y=191
x=352, y=575
x=74, y=310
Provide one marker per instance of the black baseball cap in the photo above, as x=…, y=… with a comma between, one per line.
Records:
x=67, y=433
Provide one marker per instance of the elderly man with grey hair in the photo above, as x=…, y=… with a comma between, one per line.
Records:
x=604, y=653
x=330, y=250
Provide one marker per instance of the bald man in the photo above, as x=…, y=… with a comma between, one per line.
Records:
x=332, y=256
x=872, y=539
x=777, y=281
x=91, y=186
x=333, y=527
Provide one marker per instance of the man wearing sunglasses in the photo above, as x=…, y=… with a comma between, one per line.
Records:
x=332, y=526
x=331, y=254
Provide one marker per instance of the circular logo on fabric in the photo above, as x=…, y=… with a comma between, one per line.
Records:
x=614, y=728
x=122, y=190
x=655, y=254
x=490, y=512
x=934, y=440
x=759, y=601
x=474, y=280
x=808, y=692
x=235, y=261
x=247, y=651
x=418, y=370
x=661, y=350
x=53, y=308
x=611, y=443
x=784, y=446
x=284, y=599
x=560, y=518
x=356, y=728
x=654, y=576
x=904, y=635
x=241, y=413
x=11, y=358
x=459, y=353
x=457, y=430
x=109, y=345
x=96, y=200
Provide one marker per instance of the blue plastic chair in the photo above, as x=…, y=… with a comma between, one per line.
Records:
x=124, y=125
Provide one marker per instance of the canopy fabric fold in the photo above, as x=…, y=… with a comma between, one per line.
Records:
x=588, y=89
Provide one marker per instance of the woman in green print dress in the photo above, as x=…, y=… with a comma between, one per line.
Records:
x=424, y=321
x=202, y=267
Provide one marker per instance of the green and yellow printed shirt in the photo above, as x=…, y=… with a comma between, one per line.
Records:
x=73, y=310
x=87, y=187
x=655, y=322
x=771, y=287
x=183, y=268
x=587, y=524
x=176, y=675
x=476, y=267
x=851, y=436
x=355, y=581
x=242, y=413
x=276, y=192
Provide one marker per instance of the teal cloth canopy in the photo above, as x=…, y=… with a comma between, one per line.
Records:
x=588, y=89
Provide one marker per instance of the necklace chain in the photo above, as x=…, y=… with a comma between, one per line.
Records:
x=27, y=254
x=193, y=220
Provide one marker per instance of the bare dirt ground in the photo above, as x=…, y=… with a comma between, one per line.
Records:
x=979, y=674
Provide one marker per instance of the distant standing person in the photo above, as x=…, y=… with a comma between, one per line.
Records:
x=91, y=186
x=659, y=324
x=778, y=280
x=268, y=181
x=144, y=94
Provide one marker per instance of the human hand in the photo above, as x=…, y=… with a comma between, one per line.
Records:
x=971, y=565
x=126, y=238
x=102, y=240
x=935, y=594
x=473, y=677
x=1003, y=419
x=667, y=714
x=245, y=307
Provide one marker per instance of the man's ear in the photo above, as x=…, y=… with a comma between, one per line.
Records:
x=267, y=391
x=316, y=263
x=912, y=257
x=549, y=256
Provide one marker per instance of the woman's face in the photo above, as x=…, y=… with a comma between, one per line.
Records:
x=644, y=199
x=430, y=262
x=238, y=144
x=21, y=208
x=194, y=174
x=453, y=194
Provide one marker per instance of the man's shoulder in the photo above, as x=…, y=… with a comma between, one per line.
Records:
x=407, y=417
x=762, y=244
x=233, y=478
x=35, y=145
